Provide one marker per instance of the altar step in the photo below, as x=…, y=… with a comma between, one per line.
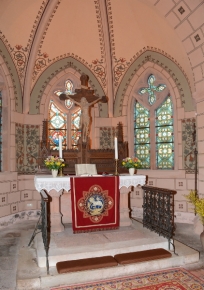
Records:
x=68, y=246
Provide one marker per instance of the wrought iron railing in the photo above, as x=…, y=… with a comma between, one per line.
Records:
x=158, y=211
x=42, y=226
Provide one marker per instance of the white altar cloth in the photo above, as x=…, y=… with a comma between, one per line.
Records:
x=60, y=205
x=58, y=183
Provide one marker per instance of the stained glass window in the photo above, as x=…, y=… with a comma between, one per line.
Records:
x=142, y=134
x=0, y=131
x=57, y=126
x=153, y=130
x=75, y=132
x=68, y=91
x=165, y=135
x=152, y=89
x=58, y=121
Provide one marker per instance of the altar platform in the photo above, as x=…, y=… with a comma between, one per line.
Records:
x=68, y=246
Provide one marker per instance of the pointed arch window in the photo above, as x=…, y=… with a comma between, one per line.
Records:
x=153, y=128
x=165, y=135
x=142, y=134
x=75, y=132
x=57, y=126
x=58, y=121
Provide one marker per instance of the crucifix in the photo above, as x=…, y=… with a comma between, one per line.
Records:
x=84, y=98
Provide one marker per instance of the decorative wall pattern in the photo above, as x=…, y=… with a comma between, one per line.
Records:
x=111, y=25
x=121, y=65
x=43, y=62
x=188, y=145
x=20, y=58
x=106, y=137
x=99, y=70
x=27, y=147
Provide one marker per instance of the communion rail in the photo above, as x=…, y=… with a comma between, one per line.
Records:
x=158, y=211
x=42, y=226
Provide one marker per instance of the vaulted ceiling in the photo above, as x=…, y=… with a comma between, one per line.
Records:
x=105, y=36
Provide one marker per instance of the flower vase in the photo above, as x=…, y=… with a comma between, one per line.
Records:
x=131, y=171
x=54, y=172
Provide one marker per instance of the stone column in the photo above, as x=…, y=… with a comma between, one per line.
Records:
x=124, y=207
x=66, y=208
x=55, y=214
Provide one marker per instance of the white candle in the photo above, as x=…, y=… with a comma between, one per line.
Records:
x=116, y=148
x=60, y=146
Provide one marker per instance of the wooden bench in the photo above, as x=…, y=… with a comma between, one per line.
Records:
x=109, y=261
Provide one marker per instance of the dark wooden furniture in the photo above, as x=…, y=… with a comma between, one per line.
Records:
x=103, y=158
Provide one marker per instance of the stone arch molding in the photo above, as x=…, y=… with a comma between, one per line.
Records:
x=58, y=68
x=9, y=100
x=166, y=64
x=12, y=71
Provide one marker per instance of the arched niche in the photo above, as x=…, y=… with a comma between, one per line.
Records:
x=165, y=63
x=139, y=81
x=59, y=68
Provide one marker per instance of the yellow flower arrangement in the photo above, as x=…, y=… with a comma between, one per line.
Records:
x=133, y=162
x=199, y=208
x=54, y=162
x=198, y=203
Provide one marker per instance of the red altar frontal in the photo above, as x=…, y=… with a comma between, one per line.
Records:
x=75, y=200
x=95, y=203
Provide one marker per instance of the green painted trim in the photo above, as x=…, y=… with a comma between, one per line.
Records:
x=14, y=77
x=167, y=64
x=55, y=69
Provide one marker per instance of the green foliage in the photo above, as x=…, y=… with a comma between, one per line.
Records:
x=199, y=208
x=133, y=162
x=198, y=203
x=191, y=197
x=52, y=162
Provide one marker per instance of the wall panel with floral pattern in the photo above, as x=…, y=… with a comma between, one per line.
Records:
x=27, y=147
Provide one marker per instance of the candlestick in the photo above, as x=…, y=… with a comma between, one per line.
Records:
x=116, y=148
x=60, y=146
x=116, y=167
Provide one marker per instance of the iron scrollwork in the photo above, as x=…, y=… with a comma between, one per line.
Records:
x=158, y=211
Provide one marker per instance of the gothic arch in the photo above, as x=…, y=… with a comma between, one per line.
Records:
x=7, y=60
x=52, y=71
x=165, y=63
x=138, y=81
x=8, y=101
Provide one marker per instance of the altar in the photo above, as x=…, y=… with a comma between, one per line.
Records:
x=59, y=191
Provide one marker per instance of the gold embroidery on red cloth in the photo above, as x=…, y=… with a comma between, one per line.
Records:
x=95, y=203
